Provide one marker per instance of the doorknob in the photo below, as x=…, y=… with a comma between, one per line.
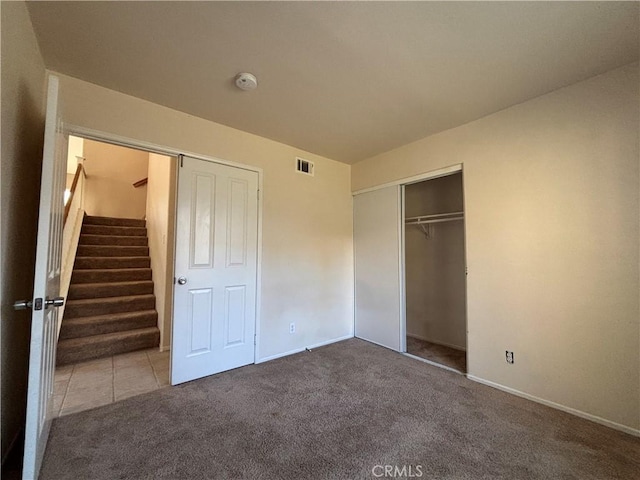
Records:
x=22, y=305
x=26, y=304
x=54, y=302
x=182, y=280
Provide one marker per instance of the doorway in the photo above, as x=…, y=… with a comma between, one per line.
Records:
x=434, y=273
x=117, y=272
x=410, y=267
x=161, y=366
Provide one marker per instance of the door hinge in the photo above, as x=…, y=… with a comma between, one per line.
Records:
x=181, y=161
x=258, y=194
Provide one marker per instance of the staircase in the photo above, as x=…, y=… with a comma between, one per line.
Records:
x=110, y=307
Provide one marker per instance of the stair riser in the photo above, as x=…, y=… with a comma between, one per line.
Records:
x=107, y=251
x=107, y=306
x=97, y=276
x=107, y=230
x=103, y=317
x=117, y=222
x=107, y=325
x=77, y=292
x=77, y=354
x=101, y=263
x=113, y=240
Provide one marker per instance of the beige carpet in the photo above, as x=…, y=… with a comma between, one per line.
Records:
x=447, y=356
x=334, y=413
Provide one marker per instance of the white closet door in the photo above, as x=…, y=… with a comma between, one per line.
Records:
x=216, y=260
x=377, y=217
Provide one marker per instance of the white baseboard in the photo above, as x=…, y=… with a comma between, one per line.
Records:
x=558, y=406
x=164, y=349
x=299, y=350
x=379, y=344
x=444, y=344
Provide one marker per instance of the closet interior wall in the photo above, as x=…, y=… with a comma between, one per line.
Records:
x=435, y=263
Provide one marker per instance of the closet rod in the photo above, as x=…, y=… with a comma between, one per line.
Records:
x=436, y=215
x=435, y=220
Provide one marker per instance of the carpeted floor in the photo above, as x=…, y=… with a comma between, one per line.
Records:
x=450, y=357
x=340, y=412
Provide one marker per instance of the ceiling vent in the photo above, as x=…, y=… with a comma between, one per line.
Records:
x=304, y=166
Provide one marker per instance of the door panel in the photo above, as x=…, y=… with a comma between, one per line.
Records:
x=377, y=218
x=200, y=320
x=44, y=319
x=216, y=253
x=235, y=300
x=237, y=223
x=202, y=225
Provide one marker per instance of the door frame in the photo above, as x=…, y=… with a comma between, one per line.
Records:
x=403, y=182
x=122, y=141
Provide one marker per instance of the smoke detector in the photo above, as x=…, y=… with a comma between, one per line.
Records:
x=246, y=81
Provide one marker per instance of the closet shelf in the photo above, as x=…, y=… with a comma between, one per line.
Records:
x=437, y=218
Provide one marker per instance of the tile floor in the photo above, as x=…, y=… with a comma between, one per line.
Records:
x=106, y=380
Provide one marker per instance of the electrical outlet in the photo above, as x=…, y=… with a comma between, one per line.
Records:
x=292, y=327
x=509, y=356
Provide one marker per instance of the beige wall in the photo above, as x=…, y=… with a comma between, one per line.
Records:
x=161, y=191
x=307, y=258
x=75, y=149
x=551, y=197
x=111, y=172
x=23, y=79
x=434, y=267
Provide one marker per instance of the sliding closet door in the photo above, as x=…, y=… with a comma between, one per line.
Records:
x=377, y=217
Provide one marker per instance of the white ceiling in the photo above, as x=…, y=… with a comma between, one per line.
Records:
x=346, y=80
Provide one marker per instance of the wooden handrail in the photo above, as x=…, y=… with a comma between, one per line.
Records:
x=67, y=207
x=140, y=183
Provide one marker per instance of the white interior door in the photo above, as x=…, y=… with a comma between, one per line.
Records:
x=46, y=288
x=377, y=243
x=216, y=265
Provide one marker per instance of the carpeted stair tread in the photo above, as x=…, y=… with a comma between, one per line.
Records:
x=103, y=306
x=74, y=350
x=83, y=263
x=120, y=222
x=103, y=324
x=111, y=306
x=111, y=251
x=121, y=240
x=113, y=230
x=97, y=275
x=109, y=289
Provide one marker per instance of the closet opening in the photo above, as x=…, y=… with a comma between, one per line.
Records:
x=435, y=272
